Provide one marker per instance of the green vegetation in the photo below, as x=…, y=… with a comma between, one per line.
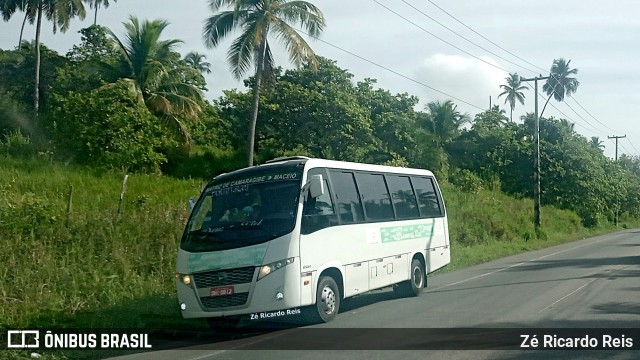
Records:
x=135, y=105
x=258, y=19
x=104, y=269
x=488, y=225
x=116, y=270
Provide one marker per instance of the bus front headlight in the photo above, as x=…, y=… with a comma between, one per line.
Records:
x=269, y=268
x=185, y=279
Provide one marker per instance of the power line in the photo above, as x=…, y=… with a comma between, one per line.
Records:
x=585, y=120
x=482, y=36
x=634, y=147
x=626, y=151
x=617, y=137
x=516, y=56
x=391, y=70
x=428, y=32
x=585, y=110
x=573, y=121
x=469, y=41
x=466, y=52
x=418, y=26
x=439, y=38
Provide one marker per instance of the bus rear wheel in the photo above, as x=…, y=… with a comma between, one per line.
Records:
x=327, y=299
x=413, y=286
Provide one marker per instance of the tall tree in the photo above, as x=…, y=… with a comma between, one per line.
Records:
x=446, y=120
x=60, y=12
x=153, y=68
x=596, y=143
x=513, y=91
x=560, y=82
x=256, y=19
x=95, y=5
x=8, y=7
x=197, y=61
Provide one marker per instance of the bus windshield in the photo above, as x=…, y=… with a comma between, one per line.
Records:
x=243, y=211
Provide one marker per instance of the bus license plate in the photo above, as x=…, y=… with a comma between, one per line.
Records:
x=222, y=290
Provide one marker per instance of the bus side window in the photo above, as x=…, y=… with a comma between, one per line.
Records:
x=427, y=197
x=318, y=213
x=403, y=197
x=348, y=204
x=375, y=197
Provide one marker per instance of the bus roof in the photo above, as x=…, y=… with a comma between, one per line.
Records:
x=312, y=163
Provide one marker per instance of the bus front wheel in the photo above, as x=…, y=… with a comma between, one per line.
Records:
x=327, y=299
x=413, y=286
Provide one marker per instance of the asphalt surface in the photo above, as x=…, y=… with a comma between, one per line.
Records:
x=592, y=283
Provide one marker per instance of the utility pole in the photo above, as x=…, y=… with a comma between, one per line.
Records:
x=536, y=163
x=617, y=137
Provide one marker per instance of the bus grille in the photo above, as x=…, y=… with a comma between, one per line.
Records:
x=224, y=301
x=224, y=277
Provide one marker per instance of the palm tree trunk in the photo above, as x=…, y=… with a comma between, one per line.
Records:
x=545, y=106
x=95, y=15
x=256, y=100
x=24, y=22
x=36, y=90
x=511, y=116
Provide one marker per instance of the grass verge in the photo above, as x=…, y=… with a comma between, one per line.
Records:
x=106, y=269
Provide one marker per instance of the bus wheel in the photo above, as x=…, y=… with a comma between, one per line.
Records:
x=327, y=299
x=413, y=286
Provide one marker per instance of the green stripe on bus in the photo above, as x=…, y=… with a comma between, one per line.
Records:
x=406, y=232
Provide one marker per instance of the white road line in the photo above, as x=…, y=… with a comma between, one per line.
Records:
x=569, y=294
x=208, y=356
x=518, y=264
x=619, y=267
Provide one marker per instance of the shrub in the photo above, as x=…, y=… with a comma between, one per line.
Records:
x=204, y=162
x=17, y=144
x=466, y=181
x=110, y=127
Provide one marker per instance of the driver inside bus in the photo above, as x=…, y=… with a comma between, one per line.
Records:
x=247, y=207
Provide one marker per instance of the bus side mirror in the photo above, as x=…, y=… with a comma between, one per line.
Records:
x=191, y=203
x=316, y=186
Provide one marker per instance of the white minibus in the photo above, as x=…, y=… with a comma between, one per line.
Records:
x=265, y=241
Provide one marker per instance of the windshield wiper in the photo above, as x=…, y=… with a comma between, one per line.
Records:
x=242, y=225
x=249, y=225
x=208, y=232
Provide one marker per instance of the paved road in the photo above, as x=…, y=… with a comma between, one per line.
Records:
x=584, y=284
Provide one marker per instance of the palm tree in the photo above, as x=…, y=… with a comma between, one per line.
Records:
x=8, y=7
x=445, y=120
x=597, y=143
x=95, y=4
x=150, y=65
x=60, y=12
x=196, y=61
x=560, y=83
x=255, y=19
x=513, y=91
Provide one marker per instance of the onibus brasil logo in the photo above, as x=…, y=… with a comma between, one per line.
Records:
x=33, y=339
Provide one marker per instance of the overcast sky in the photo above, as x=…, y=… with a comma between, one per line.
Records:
x=600, y=38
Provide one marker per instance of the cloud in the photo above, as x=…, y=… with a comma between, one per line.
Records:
x=466, y=78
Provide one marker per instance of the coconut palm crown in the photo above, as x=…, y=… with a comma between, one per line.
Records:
x=513, y=91
x=256, y=20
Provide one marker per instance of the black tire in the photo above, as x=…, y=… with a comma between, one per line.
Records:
x=412, y=287
x=224, y=325
x=327, y=299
